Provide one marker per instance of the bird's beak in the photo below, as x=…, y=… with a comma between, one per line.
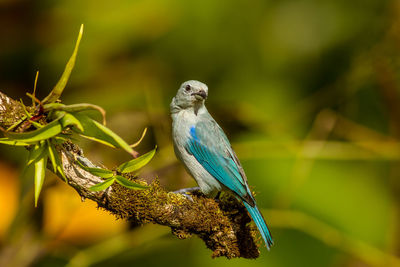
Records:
x=200, y=95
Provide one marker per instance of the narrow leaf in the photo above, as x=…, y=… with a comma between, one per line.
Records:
x=61, y=172
x=56, y=161
x=70, y=120
x=52, y=154
x=103, y=173
x=129, y=184
x=36, y=153
x=16, y=123
x=101, y=141
x=120, y=142
x=101, y=186
x=59, y=87
x=98, y=132
x=34, y=89
x=75, y=108
x=36, y=124
x=34, y=99
x=138, y=163
x=56, y=115
x=28, y=115
x=40, y=169
x=8, y=141
x=46, y=132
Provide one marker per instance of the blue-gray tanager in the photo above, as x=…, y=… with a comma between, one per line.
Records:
x=204, y=149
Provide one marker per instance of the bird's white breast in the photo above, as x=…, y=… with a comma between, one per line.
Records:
x=182, y=121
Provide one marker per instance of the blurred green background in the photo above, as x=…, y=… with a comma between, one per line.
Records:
x=308, y=92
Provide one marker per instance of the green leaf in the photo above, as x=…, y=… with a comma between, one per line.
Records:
x=52, y=154
x=59, y=87
x=138, y=163
x=16, y=123
x=101, y=141
x=34, y=99
x=46, y=132
x=61, y=138
x=118, y=140
x=36, y=153
x=70, y=120
x=103, y=173
x=37, y=124
x=129, y=184
x=100, y=133
x=8, y=141
x=40, y=169
x=55, y=159
x=75, y=108
x=61, y=172
x=101, y=186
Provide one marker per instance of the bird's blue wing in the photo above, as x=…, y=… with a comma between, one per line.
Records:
x=209, y=145
x=211, y=148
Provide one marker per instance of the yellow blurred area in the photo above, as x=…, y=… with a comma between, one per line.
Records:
x=9, y=191
x=67, y=218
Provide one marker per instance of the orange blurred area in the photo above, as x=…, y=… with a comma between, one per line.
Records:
x=68, y=219
x=9, y=191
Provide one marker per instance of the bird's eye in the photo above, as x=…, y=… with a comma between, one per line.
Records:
x=187, y=88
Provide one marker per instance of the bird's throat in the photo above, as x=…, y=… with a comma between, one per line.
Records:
x=197, y=106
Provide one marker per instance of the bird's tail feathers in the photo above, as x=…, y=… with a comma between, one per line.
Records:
x=260, y=222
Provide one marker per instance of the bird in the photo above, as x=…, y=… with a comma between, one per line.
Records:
x=205, y=151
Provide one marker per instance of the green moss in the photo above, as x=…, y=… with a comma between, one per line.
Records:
x=223, y=225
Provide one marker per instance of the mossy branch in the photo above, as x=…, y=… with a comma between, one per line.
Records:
x=222, y=226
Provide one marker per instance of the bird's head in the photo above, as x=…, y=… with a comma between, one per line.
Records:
x=191, y=94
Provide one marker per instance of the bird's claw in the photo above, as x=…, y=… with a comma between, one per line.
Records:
x=188, y=197
x=185, y=191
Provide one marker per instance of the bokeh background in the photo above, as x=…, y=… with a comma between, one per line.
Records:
x=308, y=92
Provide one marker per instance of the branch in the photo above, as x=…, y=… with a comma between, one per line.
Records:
x=223, y=226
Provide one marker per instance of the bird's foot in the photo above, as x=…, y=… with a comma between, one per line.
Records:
x=185, y=192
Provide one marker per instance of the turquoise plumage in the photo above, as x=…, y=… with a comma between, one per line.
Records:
x=205, y=150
